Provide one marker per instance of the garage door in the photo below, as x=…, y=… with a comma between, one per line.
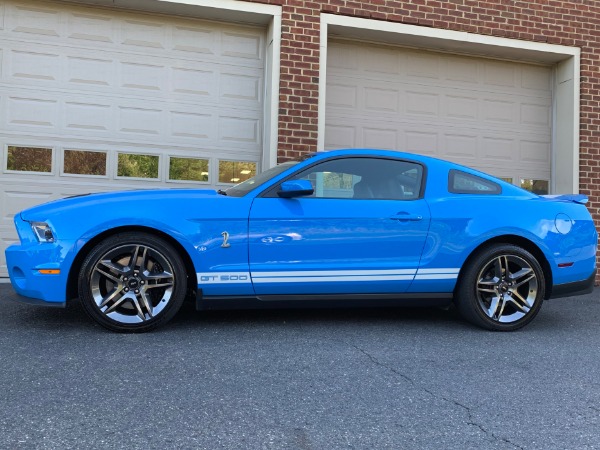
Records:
x=488, y=114
x=95, y=100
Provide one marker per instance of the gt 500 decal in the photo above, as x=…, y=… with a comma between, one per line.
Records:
x=223, y=277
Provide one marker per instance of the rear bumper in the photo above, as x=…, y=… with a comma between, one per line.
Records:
x=576, y=288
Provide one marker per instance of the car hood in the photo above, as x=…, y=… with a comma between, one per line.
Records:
x=104, y=200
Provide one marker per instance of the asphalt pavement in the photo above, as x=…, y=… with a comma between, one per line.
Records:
x=309, y=379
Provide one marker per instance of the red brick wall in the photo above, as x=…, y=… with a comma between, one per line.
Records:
x=570, y=23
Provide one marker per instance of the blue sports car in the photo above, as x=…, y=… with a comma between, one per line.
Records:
x=349, y=226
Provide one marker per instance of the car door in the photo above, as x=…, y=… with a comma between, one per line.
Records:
x=361, y=231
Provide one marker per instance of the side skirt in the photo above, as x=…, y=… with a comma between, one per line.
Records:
x=322, y=301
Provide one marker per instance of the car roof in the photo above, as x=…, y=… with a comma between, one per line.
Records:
x=429, y=161
x=385, y=153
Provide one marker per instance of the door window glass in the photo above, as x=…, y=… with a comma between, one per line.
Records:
x=365, y=178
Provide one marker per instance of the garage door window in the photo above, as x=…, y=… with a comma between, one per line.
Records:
x=539, y=187
x=236, y=171
x=84, y=162
x=138, y=166
x=29, y=159
x=188, y=169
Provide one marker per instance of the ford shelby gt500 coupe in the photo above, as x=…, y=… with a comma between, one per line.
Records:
x=347, y=226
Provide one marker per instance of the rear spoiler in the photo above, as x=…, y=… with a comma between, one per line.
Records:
x=575, y=198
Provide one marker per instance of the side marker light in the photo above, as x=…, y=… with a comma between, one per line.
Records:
x=49, y=271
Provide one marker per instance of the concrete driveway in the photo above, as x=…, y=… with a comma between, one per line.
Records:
x=364, y=379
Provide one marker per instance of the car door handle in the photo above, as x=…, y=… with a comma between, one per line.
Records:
x=406, y=217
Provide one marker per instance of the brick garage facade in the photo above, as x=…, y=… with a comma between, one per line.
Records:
x=573, y=24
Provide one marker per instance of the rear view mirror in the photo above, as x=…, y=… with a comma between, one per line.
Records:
x=295, y=188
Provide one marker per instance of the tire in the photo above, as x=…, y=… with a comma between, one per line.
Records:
x=502, y=288
x=132, y=282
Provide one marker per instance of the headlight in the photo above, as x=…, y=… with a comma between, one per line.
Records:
x=42, y=231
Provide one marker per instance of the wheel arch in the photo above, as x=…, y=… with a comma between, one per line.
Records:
x=72, y=280
x=518, y=241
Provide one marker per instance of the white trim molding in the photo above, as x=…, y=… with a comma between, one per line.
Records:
x=565, y=61
x=223, y=10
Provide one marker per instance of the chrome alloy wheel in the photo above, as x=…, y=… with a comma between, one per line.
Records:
x=132, y=283
x=507, y=288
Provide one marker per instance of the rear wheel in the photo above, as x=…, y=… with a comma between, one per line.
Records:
x=502, y=289
x=132, y=282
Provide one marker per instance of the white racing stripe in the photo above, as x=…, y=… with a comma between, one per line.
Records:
x=424, y=271
x=334, y=273
x=328, y=276
x=328, y=279
x=439, y=276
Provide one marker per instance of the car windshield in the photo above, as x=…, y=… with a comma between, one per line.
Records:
x=239, y=190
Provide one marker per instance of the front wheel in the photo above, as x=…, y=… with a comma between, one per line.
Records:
x=132, y=282
x=502, y=288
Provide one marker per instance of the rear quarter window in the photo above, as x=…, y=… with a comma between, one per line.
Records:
x=466, y=183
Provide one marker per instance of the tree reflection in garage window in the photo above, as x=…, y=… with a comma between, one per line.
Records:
x=539, y=187
x=137, y=165
x=236, y=171
x=188, y=169
x=83, y=162
x=29, y=159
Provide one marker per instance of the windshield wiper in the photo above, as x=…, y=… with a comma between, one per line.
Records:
x=222, y=192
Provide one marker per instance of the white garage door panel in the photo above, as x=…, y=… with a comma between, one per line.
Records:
x=83, y=78
x=137, y=122
x=492, y=115
x=122, y=111
x=106, y=72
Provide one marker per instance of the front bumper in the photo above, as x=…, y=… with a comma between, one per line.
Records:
x=576, y=288
x=36, y=301
x=24, y=264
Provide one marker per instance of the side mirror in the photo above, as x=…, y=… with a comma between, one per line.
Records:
x=295, y=188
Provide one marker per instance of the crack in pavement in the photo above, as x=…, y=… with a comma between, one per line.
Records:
x=470, y=420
